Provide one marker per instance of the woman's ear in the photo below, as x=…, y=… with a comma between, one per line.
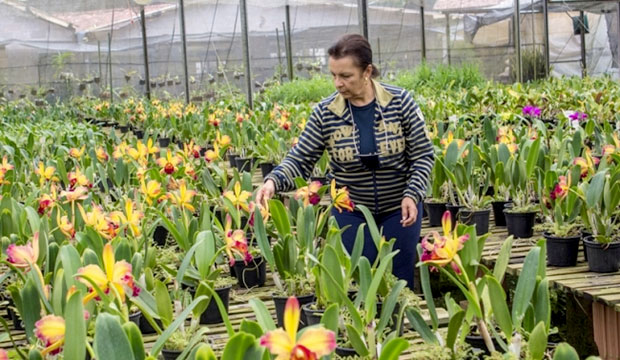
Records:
x=368, y=72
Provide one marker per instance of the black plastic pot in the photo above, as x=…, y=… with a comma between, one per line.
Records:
x=253, y=274
x=477, y=342
x=313, y=317
x=454, y=211
x=124, y=129
x=159, y=235
x=602, y=258
x=170, y=354
x=498, y=212
x=480, y=218
x=342, y=351
x=321, y=179
x=18, y=324
x=520, y=225
x=135, y=318
x=145, y=326
x=163, y=142
x=139, y=133
x=435, y=212
x=562, y=251
x=244, y=164
x=232, y=159
x=584, y=235
x=212, y=314
x=266, y=168
x=280, y=302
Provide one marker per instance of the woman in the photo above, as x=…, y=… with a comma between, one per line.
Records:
x=376, y=139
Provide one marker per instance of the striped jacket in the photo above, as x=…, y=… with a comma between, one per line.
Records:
x=405, y=152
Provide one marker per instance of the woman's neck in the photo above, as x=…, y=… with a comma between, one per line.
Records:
x=365, y=97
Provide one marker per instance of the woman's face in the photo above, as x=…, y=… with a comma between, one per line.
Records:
x=349, y=79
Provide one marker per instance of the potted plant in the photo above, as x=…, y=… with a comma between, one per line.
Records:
x=561, y=207
x=519, y=171
x=601, y=195
x=436, y=204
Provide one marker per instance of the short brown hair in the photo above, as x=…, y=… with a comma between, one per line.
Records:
x=356, y=46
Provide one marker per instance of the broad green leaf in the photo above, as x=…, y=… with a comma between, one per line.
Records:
x=164, y=304
x=538, y=341
x=330, y=318
x=454, y=326
x=499, y=306
x=595, y=189
x=75, y=345
x=204, y=352
x=502, y=259
x=393, y=349
x=356, y=341
x=110, y=341
x=161, y=340
x=280, y=218
x=31, y=306
x=542, y=306
x=262, y=314
x=525, y=286
x=419, y=325
x=251, y=327
x=135, y=340
x=261, y=238
x=242, y=346
x=426, y=289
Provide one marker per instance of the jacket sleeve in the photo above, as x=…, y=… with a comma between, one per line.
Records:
x=300, y=160
x=418, y=148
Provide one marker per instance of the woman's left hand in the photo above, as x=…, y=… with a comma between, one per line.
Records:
x=409, y=211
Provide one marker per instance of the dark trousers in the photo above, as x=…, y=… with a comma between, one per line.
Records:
x=406, y=238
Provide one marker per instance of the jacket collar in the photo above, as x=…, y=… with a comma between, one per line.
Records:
x=383, y=97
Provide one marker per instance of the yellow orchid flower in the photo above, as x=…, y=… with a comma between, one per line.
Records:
x=212, y=155
x=169, y=163
x=45, y=173
x=130, y=217
x=77, y=153
x=222, y=140
x=97, y=220
x=264, y=211
x=314, y=343
x=50, y=329
x=120, y=150
x=340, y=198
x=152, y=190
x=238, y=198
x=183, y=197
x=444, y=249
x=5, y=166
x=115, y=274
x=3, y=180
x=77, y=178
x=150, y=148
x=101, y=154
x=65, y=226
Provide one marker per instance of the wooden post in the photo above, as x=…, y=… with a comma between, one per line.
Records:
x=145, y=51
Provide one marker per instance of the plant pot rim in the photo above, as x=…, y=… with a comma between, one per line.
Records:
x=549, y=235
x=466, y=209
x=591, y=241
x=279, y=297
x=520, y=212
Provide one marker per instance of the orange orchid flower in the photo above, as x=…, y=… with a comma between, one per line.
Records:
x=313, y=344
x=101, y=154
x=22, y=256
x=340, y=198
x=236, y=243
x=50, y=329
x=77, y=153
x=444, y=249
x=309, y=193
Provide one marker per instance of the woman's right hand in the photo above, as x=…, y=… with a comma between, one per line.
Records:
x=265, y=192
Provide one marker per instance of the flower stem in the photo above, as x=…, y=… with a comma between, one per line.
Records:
x=484, y=332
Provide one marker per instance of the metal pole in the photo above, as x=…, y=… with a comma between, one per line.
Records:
x=246, y=50
x=110, y=66
x=99, y=54
x=448, y=39
x=517, y=37
x=184, y=47
x=423, y=33
x=379, y=53
x=287, y=41
x=546, y=36
x=582, y=37
x=618, y=28
x=362, y=13
x=146, y=54
x=279, y=54
x=532, y=19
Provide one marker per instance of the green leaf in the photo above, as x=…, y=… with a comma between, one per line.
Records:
x=502, y=259
x=372, y=225
x=35, y=354
x=538, y=341
x=542, y=309
x=356, y=341
x=371, y=295
x=389, y=304
x=135, y=340
x=242, y=346
x=525, y=286
x=499, y=306
x=280, y=217
x=70, y=260
x=595, y=189
x=426, y=289
x=262, y=314
x=532, y=157
x=331, y=263
x=205, y=252
x=251, y=327
x=164, y=304
x=393, y=349
x=111, y=342
x=204, y=352
x=454, y=326
x=261, y=238
x=75, y=345
x=31, y=306
x=419, y=325
x=330, y=318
